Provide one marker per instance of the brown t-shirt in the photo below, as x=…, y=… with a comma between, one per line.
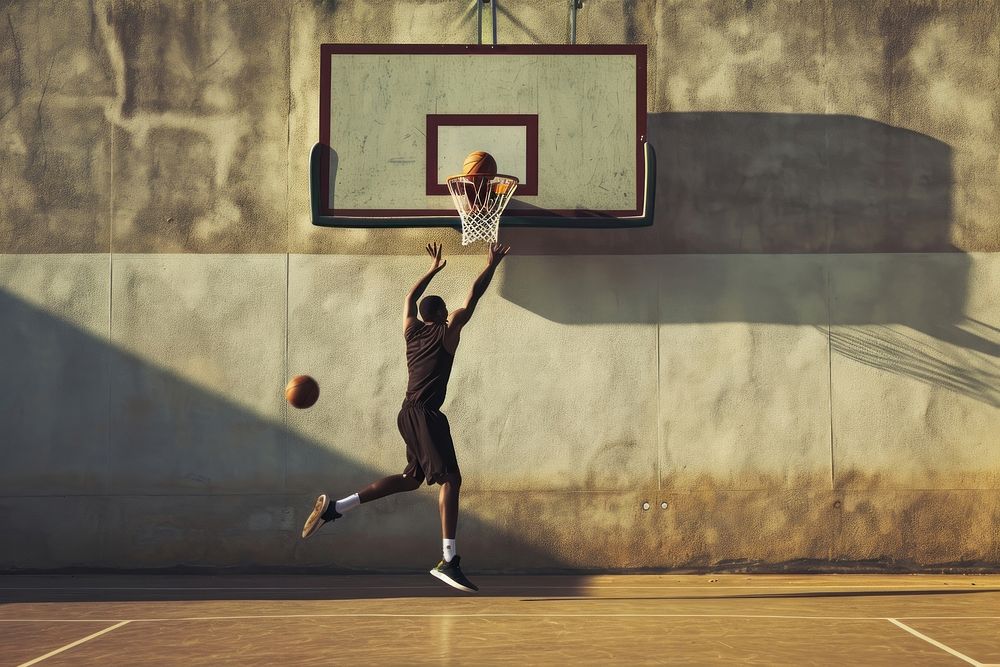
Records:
x=428, y=362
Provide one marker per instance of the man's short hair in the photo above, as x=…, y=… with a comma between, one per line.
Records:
x=430, y=306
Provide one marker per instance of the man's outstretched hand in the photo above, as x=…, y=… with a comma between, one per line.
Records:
x=434, y=250
x=497, y=252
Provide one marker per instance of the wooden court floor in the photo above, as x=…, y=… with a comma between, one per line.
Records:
x=517, y=620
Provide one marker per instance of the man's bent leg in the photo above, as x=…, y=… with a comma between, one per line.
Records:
x=388, y=486
x=325, y=510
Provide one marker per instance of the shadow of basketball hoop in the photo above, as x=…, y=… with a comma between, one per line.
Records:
x=779, y=183
x=780, y=219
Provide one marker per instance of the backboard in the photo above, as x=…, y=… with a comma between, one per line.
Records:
x=568, y=121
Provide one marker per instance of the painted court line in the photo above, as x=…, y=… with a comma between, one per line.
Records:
x=69, y=646
x=941, y=646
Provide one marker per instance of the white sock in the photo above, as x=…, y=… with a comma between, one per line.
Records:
x=449, y=550
x=348, y=503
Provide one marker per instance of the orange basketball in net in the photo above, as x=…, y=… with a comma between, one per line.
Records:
x=479, y=163
x=302, y=392
x=481, y=167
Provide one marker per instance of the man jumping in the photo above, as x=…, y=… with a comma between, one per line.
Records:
x=430, y=453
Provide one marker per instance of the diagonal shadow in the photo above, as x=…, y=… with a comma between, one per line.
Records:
x=111, y=462
x=896, y=352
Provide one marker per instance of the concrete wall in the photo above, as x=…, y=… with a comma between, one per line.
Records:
x=797, y=363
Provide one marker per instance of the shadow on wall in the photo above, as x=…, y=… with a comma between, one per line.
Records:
x=906, y=354
x=818, y=194
x=901, y=313
x=750, y=182
x=112, y=462
x=779, y=183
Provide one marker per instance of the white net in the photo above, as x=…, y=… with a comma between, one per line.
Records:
x=480, y=201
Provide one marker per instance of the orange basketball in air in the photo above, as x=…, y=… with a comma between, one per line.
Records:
x=302, y=392
x=479, y=163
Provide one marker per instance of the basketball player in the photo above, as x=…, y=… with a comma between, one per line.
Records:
x=430, y=453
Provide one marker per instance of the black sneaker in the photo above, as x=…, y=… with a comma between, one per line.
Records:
x=316, y=519
x=451, y=574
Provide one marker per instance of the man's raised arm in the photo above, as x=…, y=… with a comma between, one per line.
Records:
x=410, y=305
x=496, y=254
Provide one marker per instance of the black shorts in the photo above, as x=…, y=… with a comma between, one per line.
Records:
x=430, y=453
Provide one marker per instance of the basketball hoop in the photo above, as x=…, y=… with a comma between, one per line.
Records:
x=480, y=200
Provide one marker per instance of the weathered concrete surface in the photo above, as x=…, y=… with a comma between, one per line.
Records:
x=55, y=143
x=577, y=402
x=501, y=531
x=727, y=56
x=702, y=382
x=76, y=532
x=55, y=387
x=940, y=76
x=928, y=527
x=786, y=402
x=212, y=323
x=744, y=401
x=200, y=123
x=166, y=121
x=904, y=400
x=344, y=330
x=187, y=127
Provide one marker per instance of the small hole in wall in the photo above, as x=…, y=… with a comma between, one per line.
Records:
x=645, y=506
x=836, y=504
